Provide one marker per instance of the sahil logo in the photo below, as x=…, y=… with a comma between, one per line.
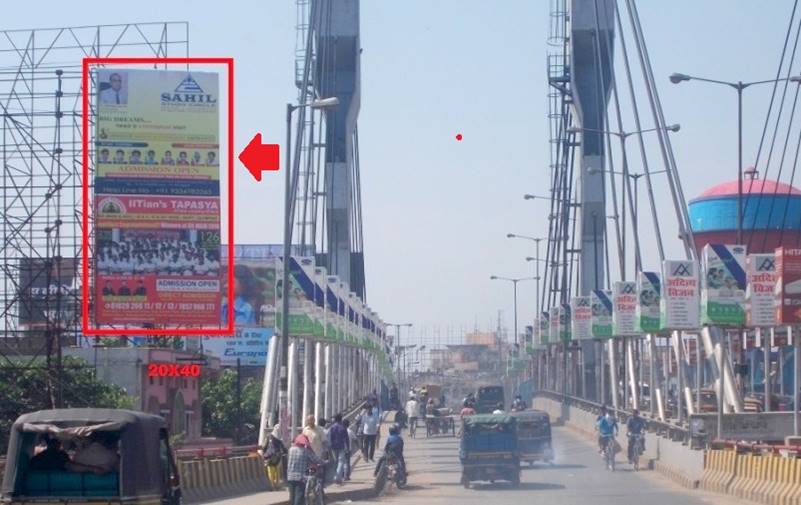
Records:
x=188, y=92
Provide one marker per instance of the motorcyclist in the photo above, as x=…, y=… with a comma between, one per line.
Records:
x=394, y=447
x=635, y=426
x=607, y=427
x=518, y=404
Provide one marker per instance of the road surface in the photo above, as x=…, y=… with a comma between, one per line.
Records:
x=577, y=477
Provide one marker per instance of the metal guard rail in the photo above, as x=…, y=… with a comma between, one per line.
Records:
x=665, y=429
x=243, y=450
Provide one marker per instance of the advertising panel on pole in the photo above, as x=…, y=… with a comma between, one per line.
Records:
x=255, y=287
x=759, y=294
x=528, y=336
x=48, y=293
x=723, y=285
x=787, y=302
x=564, y=323
x=601, y=320
x=249, y=344
x=545, y=328
x=553, y=322
x=680, y=295
x=157, y=198
x=624, y=308
x=581, y=317
x=649, y=315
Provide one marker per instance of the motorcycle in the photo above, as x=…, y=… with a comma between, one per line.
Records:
x=314, y=486
x=390, y=472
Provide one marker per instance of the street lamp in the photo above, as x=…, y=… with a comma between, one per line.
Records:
x=514, y=282
x=538, y=197
x=739, y=86
x=537, y=277
x=323, y=103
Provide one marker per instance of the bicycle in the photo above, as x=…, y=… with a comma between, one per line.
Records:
x=635, y=449
x=609, y=452
x=314, y=493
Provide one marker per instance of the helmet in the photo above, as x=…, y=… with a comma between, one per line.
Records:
x=394, y=429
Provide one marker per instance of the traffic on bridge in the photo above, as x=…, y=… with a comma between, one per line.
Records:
x=584, y=276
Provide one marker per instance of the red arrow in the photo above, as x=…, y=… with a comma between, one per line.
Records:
x=258, y=157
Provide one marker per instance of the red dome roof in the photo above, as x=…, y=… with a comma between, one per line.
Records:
x=751, y=186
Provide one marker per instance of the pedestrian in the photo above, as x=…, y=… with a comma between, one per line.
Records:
x=316, y=436
x=275, y=456
x=352, y=444
x=370, y=421
x=339, y=442
x=412, y=411
x=300, y=457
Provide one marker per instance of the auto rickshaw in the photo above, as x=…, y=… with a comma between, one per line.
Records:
x=146, y=472
x=534, y=436
x=489, y=450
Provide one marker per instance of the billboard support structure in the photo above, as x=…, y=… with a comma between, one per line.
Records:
x=42, y=146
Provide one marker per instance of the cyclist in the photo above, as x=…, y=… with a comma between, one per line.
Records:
x=607, y=427
x=635, y=427
x=598, y=420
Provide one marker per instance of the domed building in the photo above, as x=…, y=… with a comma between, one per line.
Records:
x=771, y=214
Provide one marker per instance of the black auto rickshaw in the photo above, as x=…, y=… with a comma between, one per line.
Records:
x=488, y=450
x=488, y=398
x=534, y=436
x=144, y=473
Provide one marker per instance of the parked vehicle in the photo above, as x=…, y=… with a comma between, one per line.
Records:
x=488, y=397
x=489, y=449
x=145, y=472
x=534, y=436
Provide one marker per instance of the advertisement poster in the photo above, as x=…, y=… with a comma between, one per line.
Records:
x=248, y=344
x=760, y=290
x=529, y=339
x=545, y=326
x=649, y=315
x=48, y=292
x=680, y=295
x=624, y=309
x=581, y=317
x=787, y=301
x=553, y=321
x=156, y=201
x=723, y=285
x=255, y=278
x=601, y=320
x=564, y=323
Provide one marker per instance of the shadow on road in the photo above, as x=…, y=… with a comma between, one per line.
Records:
x=564, y=466
x=524, y=486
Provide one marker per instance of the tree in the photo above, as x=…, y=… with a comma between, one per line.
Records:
x=220, y=409
x=26, y=386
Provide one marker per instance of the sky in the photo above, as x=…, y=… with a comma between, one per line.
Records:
x=436, y=210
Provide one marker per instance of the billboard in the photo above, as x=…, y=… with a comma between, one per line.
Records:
x=48, y=291
x=255, y=284
x=680, y=296
x=553, y=324
x=157, y=198
x=545, y=328
x=581, y=317
x=787, y=302
x=564, y=323
x=649, y=294
x=249, y=345
x=723, y=285
x=624, y=308
x=759, y=292
x=601, y=319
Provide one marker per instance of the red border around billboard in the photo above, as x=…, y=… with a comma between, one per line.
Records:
x=181, y=332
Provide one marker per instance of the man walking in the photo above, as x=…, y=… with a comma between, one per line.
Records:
x=338, y=440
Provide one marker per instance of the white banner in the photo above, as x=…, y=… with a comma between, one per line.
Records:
x=649, y=289
x=760, y=293
x=624, y=309
x=553, y=331
x=680, y=295
x=581, y=317
x=723, y=285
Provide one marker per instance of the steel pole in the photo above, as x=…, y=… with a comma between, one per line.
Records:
x=515, y=290
x=283, y=382
x=740, y=88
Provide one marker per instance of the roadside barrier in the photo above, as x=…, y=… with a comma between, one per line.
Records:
x=205, y=479
x=718, y=470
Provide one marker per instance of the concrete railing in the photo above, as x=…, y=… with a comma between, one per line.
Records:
x=208, y=479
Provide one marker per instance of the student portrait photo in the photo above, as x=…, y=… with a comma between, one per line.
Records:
x=114, y=91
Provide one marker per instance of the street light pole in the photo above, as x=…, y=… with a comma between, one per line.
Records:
x=514, y=281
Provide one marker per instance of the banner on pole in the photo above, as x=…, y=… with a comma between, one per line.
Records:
x=564, y=323
x=601, y=320
x=581, y=317
x=788, y=285
x=680, y=297
x=624, y=310
x=723, y=285
x=545, y=328
x=553, y=325
x=760, y=291
x=649, y=289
